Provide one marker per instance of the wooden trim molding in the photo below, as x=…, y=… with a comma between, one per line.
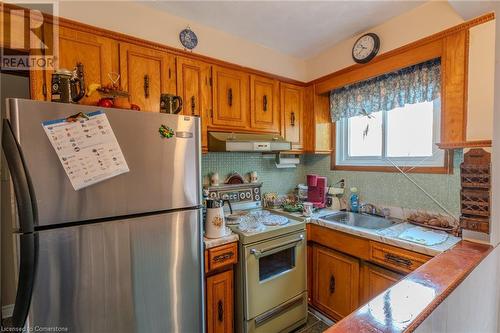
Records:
x=466, y=144
x=447, y=168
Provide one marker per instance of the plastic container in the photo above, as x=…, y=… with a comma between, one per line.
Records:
x=354, y=200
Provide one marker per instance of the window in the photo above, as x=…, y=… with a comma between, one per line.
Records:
x=404, y=136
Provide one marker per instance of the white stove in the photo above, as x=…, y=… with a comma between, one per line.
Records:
x=271, y=273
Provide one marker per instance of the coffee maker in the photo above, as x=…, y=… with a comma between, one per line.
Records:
x=316, y=190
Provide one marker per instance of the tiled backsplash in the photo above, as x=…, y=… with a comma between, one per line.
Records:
x=382, y=188
x=274, y=180
x=393, y=189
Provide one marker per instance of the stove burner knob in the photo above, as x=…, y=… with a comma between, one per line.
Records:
x=257, y=197
x=256, y=190
x=225, y=197
x=248, y=195
x=213, y=195
x=242, y=195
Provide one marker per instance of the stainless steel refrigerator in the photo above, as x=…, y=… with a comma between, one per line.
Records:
x=123, y=255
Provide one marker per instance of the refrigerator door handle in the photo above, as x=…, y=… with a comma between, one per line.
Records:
x=28, y=245
x=23, y=188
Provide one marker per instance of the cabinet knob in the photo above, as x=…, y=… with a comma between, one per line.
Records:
x=230, y=96
x=193, y=104
x=332, y=284
x=220, y=310
x=146, y=86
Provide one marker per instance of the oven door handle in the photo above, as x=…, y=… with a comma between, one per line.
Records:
x=274, y=249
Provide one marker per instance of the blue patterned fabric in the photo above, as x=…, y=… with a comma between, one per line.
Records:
x=410, y=85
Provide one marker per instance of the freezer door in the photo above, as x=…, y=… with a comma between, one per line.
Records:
x=136, y=275
x=164, y=172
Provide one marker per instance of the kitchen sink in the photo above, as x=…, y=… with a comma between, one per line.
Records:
x=359, y=220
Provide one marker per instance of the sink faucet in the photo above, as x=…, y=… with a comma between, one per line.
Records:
x=371, y=209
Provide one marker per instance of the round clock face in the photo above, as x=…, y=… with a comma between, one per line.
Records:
x=188, y=39
x=365, y=48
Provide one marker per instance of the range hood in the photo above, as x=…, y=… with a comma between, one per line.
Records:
x=244, y=142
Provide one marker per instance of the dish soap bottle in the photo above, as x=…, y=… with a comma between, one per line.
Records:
x=354, y=200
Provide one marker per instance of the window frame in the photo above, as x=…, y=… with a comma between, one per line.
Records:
x=441, y=162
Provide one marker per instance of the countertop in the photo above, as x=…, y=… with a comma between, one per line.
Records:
x=387, y=236
x=404, y=306
x=213, y=242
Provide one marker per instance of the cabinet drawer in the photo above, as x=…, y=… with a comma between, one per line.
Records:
x=221, y=256
x=395, y=258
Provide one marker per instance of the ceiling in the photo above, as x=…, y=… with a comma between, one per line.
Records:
x=298, y=28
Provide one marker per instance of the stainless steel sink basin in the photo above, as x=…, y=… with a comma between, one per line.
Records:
x=359, y=220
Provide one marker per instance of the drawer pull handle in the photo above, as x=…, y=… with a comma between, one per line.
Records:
x=332, y=284
x=397, y=260
x=223, y=257
x=220, y=310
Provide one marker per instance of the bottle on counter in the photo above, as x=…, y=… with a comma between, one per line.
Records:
x=354, y=200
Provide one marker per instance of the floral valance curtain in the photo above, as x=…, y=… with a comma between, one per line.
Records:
x=414, y=84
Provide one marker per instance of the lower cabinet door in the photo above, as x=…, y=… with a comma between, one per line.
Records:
x=336, y=282
x=375, y=280
x=220, y=302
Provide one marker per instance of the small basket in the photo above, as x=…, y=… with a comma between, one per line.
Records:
x=475, y=202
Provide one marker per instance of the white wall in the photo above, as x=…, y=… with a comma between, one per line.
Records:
x=413, y=25
x=481, y=79
x=145, y=22
x=473, y=306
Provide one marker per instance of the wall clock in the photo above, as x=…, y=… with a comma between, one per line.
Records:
x=188, y=38
x=365, y=48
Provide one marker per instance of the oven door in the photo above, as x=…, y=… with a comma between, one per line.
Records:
x=275, y=272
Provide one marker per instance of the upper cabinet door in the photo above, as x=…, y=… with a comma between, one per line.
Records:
x=146, y=74
x=193, y=85
x=98, y=55
x=264, y=108
x=292, y=103
x=230, y=91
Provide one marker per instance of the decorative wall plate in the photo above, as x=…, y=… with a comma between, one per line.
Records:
x=188, y=38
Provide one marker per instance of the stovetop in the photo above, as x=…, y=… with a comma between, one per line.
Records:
x=247, y=197
x=268, y=232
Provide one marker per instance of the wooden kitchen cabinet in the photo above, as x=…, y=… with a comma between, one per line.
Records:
x=220, y=302
x=292, y=104
x=146, y=74
x=374, y=280
x=99, y=56
x=264, y=104
x=230, y=99
x=316, y=119
x=219, y=262
x=336, y=282
x=193, y=85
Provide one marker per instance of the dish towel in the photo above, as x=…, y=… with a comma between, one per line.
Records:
x=424, y=236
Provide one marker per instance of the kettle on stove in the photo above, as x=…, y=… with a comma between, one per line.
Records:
x=215, y=223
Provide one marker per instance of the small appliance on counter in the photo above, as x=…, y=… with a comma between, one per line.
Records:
x=215, y=222
x=316, y=190
x=172, y=104
x=68, y=86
